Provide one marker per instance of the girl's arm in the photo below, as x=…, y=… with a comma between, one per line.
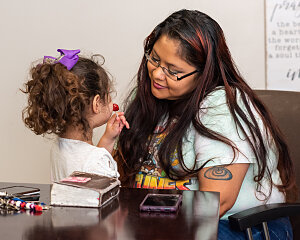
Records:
x=113, y=129
x=226, y=179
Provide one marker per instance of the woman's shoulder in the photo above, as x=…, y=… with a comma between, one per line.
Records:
x=216, y=114
x=214, y=98
x=218, y=97
x=216, y=103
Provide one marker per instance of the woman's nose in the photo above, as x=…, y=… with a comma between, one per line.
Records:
x=158, y=73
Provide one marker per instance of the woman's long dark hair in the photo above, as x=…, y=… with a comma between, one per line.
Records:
x=202, y=45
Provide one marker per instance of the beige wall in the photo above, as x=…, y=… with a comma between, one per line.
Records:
x=31, y=29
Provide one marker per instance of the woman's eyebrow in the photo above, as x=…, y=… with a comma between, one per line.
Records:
x=167, y=63
x=155, y=52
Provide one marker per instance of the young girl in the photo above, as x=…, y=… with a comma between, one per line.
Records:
x=70, y=96
x=197, y=125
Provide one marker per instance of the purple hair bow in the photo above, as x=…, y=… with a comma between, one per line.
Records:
x=68, y=58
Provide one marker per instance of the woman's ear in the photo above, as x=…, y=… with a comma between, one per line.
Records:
x=96, y=104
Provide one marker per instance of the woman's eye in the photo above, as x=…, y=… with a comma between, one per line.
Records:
x=155, y=59
x=173, y=72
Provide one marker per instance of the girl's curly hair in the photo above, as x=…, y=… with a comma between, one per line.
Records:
x=58, y=97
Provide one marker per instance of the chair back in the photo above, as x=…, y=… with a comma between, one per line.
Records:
x=285, y=108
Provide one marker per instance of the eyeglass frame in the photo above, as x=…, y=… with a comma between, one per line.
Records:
x=149, y=58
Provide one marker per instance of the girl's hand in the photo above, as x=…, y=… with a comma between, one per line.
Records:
x=113, y=129
x=115, y=125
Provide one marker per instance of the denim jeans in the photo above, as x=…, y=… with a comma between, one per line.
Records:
x=280, y=229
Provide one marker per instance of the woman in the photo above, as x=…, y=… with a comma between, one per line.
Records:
x=196, y=124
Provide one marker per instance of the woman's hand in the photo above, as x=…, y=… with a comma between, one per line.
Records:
x=225, y=179
x=113, y=129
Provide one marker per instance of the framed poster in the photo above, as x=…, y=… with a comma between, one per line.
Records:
x=283, y=44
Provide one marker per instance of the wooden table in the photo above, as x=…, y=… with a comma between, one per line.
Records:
x=197, y=218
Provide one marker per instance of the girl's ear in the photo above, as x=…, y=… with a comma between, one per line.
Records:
x=96, y=104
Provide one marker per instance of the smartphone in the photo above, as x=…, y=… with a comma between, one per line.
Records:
x=161, y=202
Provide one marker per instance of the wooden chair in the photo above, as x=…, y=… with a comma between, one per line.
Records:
x=285, y=108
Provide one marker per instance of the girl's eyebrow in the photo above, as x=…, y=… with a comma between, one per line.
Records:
x=167, y=63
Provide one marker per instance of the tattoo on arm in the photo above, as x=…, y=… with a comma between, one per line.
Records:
x=218, y=173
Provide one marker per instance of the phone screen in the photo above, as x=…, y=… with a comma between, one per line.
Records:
x=162, y=200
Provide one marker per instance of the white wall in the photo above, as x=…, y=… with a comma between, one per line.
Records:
x=33, y=28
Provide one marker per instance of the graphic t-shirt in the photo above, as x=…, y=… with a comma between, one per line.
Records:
x=152, y=176
x=214, y=114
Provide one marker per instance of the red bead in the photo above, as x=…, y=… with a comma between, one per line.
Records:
x=115, y=107
x=38, y=208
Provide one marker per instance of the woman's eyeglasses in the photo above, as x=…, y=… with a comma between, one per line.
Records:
x=172, y=75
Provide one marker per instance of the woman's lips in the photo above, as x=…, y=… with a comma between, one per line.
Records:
x=158, y=86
